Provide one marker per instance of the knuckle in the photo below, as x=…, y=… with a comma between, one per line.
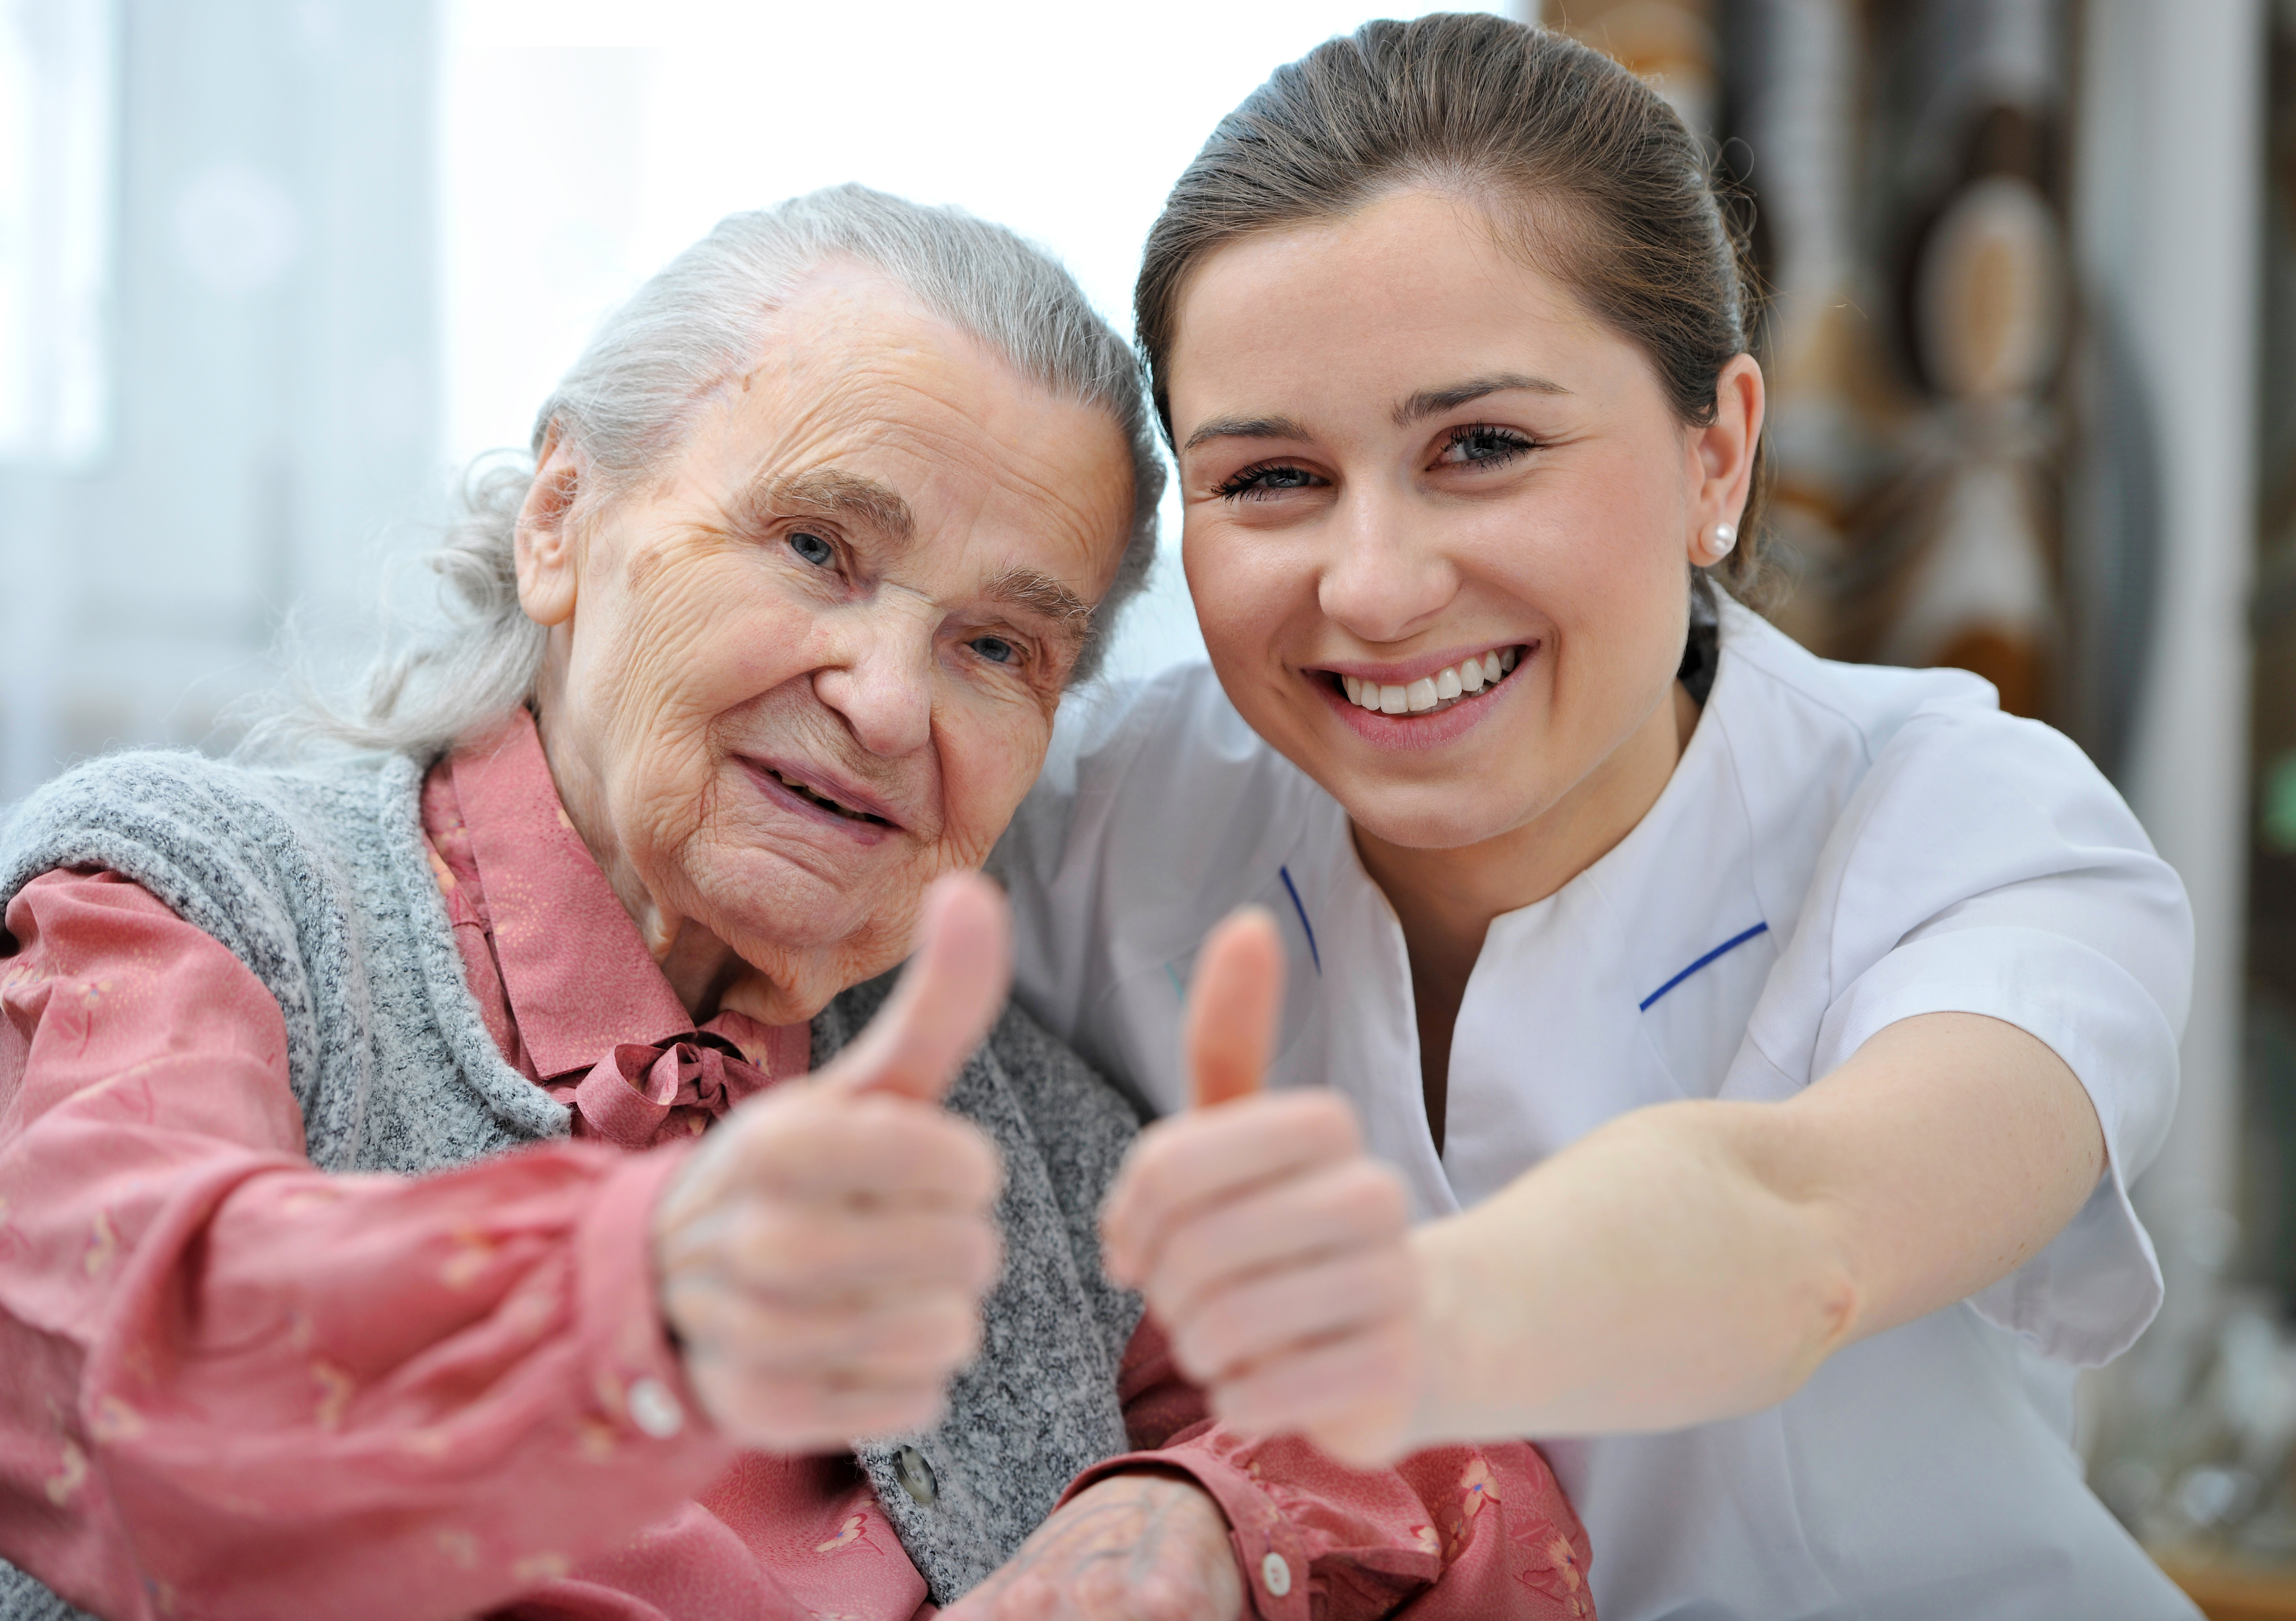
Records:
x=1329, y=1120
x=1373, y=1195
x=774, y=1245
x=1210, y=1339
x=1161, y=1599
x=1188, y=1264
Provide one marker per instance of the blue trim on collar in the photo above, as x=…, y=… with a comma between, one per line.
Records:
x=1728, y=945
x=1292, y=890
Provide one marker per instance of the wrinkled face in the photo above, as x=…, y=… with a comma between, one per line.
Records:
x=1419, y=476
x=814, y=664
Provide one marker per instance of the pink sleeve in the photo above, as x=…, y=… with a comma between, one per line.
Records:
x=1453, y=1533
x=238, y=1385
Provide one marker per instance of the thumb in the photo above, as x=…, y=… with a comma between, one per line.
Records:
x=949, y=994
x=1232, y=1001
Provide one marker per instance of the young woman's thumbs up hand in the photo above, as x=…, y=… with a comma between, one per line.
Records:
x=823, y=1257
x=1271, y=1247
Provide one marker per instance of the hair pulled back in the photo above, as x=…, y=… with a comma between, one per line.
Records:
x=1585, y=169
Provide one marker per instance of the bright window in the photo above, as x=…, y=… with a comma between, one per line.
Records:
x=59, y=66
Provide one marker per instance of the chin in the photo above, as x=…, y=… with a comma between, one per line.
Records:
x=777, y=906
x=1426, y=818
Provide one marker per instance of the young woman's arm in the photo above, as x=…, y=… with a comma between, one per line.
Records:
x=1684, y=1263
x=1698, y=1260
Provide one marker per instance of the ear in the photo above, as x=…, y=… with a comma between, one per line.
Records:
x=548, y=564
x=1723, y=456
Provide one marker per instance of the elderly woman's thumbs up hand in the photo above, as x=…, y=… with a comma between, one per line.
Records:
x=823, y=1257
x=1271, y=1247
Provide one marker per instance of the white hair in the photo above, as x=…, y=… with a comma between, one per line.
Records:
x=624, y=405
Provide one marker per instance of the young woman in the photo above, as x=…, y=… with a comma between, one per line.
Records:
x=1766, y=1044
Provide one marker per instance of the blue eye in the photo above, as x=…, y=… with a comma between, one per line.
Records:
x=1265, y=479
x=1483, y=446
x=814, y=549
x=994, y=649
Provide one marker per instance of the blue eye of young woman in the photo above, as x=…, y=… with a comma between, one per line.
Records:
x=1265, y=479
x=995, y=650
x=1479, y=445
x=811, y=547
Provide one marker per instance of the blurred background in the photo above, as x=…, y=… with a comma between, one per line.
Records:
x=273, y=271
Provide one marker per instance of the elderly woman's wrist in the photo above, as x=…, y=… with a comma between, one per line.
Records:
x=635, y=1364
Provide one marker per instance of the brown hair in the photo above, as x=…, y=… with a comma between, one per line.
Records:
x=1605, y=188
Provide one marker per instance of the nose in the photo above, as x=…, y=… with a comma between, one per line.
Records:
x=880, y=681
x=1386, y=578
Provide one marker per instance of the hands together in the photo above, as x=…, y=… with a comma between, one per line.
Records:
x=1275, y=1253
x=1128, y=1548
x=1271, y=1247
x=823, y=1257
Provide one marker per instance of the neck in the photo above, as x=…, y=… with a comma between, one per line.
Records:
x=1445, y=899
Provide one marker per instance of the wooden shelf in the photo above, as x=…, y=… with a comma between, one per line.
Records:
x=2229, y=1592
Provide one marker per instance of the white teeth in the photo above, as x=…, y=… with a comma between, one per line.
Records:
x=1428, y=693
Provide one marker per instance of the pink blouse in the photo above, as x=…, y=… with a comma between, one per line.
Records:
x=236, y=1385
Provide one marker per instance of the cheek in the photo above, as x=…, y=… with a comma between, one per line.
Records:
x=1603, y=558
x=1244, y=586
x=699, y=646
x=988, y=761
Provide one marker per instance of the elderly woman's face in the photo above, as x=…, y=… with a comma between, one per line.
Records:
x=814, y=664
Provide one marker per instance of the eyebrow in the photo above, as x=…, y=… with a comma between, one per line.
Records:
x=1426, y=402
x=1434, y=402
x=1042, y=595
x=831, y=493
x=1246, y=428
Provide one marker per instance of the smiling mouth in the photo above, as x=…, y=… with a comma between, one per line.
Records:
x=814, y=796
x=1444, y=689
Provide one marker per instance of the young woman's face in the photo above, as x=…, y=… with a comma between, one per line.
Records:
x=1411, y=463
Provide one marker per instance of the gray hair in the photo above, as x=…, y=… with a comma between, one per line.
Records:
x=626, y=402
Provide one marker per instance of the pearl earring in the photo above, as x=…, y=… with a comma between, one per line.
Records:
x=1725, y=536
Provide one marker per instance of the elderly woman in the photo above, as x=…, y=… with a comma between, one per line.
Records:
x=769, y=640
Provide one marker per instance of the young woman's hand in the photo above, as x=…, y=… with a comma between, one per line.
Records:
x=1271, y=1247
x=1128, y=1548
x=821, y=1260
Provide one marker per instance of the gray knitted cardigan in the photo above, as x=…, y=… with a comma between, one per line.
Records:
x=317, y=881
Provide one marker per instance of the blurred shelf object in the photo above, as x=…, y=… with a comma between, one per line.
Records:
x=2226, y=1592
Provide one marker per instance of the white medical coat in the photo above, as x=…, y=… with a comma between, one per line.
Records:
x=1841, y=846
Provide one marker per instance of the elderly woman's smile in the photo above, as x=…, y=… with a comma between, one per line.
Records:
x=814, y=663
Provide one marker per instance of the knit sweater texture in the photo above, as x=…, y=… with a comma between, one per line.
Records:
x=316, y=878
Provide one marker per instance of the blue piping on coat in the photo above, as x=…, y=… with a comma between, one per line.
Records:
x=1308, y=929
x=1728, y=945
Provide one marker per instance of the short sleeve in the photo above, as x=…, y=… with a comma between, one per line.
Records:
x=1984, y=866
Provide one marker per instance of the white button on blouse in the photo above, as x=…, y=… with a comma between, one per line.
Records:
x=654, y=1410
x=1839, y=848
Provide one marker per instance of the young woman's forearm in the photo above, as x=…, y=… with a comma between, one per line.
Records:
x=1698, y=1260
x=1645, y=1278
